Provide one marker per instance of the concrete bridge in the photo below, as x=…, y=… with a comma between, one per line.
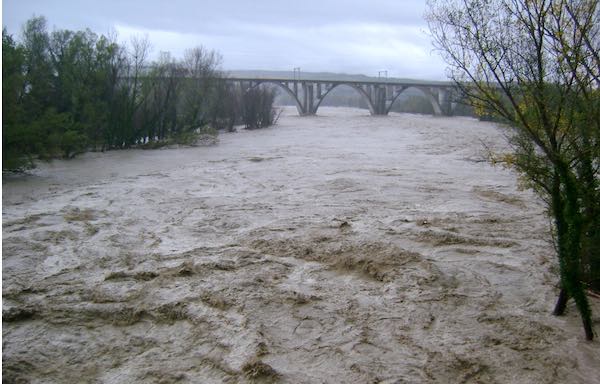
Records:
x=379, y=93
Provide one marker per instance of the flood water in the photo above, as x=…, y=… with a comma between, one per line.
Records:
x=339, y=248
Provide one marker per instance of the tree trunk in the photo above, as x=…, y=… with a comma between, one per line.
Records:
x=561, y=304
x=568, y=226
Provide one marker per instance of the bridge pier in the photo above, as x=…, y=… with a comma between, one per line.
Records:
x=380, y=100
x=308, y=106
x=445, y=100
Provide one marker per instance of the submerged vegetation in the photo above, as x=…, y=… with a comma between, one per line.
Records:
x=66, y=92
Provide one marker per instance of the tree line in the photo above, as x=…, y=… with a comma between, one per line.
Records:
x=535, y=66
x=65, y=92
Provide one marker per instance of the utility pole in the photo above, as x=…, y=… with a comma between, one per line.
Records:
x=384, y=73
x=297, y=73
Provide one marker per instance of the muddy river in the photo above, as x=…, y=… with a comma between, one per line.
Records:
x=340, y=248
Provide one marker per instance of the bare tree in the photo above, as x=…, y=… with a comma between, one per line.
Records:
x=201, y=72
x=226, y=105
x=162, y=84
x=258, y=110
x=534, y=65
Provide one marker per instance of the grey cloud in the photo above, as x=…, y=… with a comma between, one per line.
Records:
x=350, y=36
x=189, y=15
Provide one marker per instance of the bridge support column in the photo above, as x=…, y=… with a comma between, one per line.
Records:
x=308, y=99
x=380, y=100
x=310, y=107
x=444, y=102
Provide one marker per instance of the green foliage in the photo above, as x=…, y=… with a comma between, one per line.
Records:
x=186, y=138
x=535, y=67
x=66, y=92
x=16, y=137
x=72, y=143
x=17, y=147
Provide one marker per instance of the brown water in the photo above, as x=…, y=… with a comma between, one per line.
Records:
x=337, y=248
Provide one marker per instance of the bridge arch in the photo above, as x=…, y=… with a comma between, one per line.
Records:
x=308, y=95
x=429, y=95
x=281, y=85
x=359, y=89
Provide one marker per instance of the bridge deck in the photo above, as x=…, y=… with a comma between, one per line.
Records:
x=397, y=82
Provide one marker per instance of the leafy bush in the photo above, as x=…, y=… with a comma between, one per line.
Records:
x=258, y=110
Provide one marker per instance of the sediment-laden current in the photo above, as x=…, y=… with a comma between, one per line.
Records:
x=340, y=248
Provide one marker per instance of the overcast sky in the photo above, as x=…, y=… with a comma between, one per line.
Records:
x=363, y=37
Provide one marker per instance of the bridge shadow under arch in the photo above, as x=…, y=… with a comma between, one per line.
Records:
x=433, y=100
x=356, y=88
x=298, y=103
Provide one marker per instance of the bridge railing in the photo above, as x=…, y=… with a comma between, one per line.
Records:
x=373, y=81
